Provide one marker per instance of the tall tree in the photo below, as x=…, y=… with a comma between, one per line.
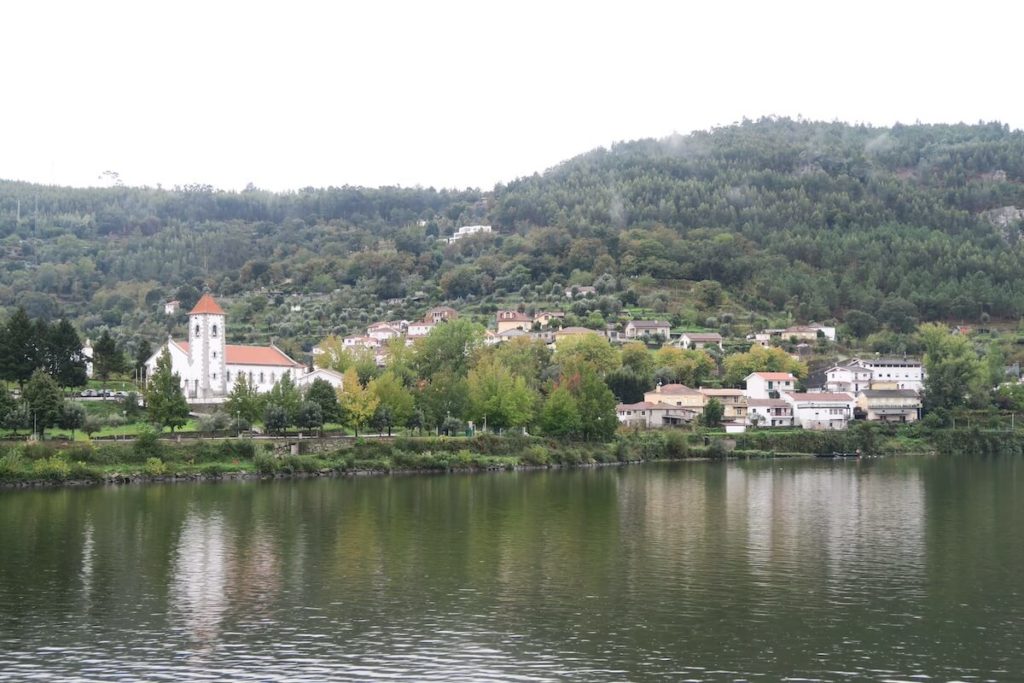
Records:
x=440, y=396
x=107, y=358
x=322, y=393
x=142, y=354
x=19, y=350
x=44, y=400
x=65, y=361
x=449, y=346
x=244, y=401
x=560, y=416
x=394, y=402
x=165, y=401
x=285, y=394
x=596, y=405
x=954, y=375
x=358, y=403
x=498, y=398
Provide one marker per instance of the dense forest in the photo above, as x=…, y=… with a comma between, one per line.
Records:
x=799, y=219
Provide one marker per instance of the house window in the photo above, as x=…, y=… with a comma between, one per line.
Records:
x=261, y=378
x=227, y=375
x=273, y=378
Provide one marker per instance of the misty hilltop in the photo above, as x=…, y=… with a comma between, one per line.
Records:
x=803, y=219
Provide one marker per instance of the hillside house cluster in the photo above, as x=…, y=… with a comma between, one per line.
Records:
x=771, y=399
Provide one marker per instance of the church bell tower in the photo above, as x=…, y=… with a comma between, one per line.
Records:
x=207, y=348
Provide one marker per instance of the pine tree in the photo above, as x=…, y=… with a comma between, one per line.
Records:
x=66, y=361
x=19, y=352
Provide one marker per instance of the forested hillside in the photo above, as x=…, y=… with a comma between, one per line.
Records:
x=802, y=219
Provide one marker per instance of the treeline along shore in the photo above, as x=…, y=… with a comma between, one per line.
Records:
x=152, y=459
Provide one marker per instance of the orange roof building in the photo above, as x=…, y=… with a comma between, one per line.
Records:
x=209, y=367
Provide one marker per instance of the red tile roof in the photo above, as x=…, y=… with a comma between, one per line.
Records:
x=206, y=304
x=775, y=376
x=236, y=354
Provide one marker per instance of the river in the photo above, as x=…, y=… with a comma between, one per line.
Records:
x=886, y=569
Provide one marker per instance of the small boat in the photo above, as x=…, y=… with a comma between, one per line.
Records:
x=835, y=454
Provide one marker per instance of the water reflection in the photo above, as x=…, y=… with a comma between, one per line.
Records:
x=807, y=569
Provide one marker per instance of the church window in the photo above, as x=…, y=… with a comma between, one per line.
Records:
x=213, y=376
x=213, y=332
x=215, y=353
x=197, y=330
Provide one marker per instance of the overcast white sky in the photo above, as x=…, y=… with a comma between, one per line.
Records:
x=455, y=94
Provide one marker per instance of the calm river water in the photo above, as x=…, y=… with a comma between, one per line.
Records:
x=885, y=569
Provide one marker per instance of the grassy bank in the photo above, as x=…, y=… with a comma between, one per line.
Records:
x=151, y=458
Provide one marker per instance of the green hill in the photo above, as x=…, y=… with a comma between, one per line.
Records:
x=803, y=219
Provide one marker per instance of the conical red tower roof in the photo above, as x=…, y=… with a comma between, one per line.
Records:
x=206, y=304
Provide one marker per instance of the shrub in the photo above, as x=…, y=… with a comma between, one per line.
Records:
x=536, y=455
x=147, y=445
x=155, y=467
x=266, y=463
x=52, y=469
x=676, y=445
x=81, y=470
x=12, y=463
x=37, y=451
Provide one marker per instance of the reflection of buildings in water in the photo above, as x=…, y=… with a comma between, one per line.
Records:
x=88, y=559
x=258, y=574
x=202, y=567
x=833, y=520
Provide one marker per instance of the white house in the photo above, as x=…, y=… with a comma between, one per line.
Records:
x=332, y=377
x=171, y=307
x=889, y=405
x=360, y=342
x=420, y=328
x=209, y=366
x=383, y=331
x=698, y=340
x=651, y=328
x=821, y=411
x=847, y=378
x=87, y=354
x=765, y=384
x=466, y=231
x=894, y=373
x=769, y=412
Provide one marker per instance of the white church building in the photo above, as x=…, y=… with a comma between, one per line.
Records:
x=209, y=366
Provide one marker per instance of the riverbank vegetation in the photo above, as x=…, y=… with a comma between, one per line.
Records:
x=151, y=458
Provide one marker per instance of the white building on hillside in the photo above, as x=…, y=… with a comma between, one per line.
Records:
x=769, y=384
x=821, y=411
x=847, y=378
x=209, y=366
x=894, y=373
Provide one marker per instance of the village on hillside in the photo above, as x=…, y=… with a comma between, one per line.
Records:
x=873, y=389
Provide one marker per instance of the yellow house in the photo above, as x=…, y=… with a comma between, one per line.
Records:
x=734, y=401
x=676, y=395
x=513, y=320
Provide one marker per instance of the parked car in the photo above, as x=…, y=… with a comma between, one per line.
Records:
x=87, y=393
